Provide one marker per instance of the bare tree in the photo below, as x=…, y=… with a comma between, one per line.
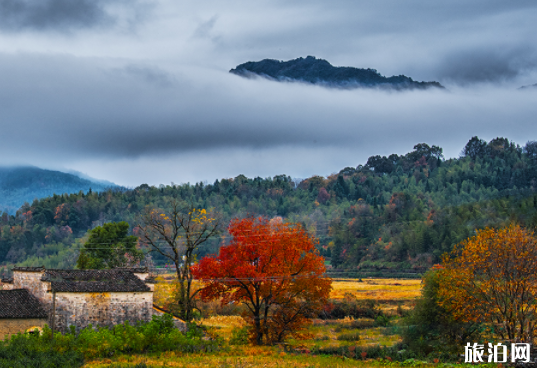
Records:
x=176, y=233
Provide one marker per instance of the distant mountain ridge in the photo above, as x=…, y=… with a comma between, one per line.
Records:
x=25, y=183
x=319, y=71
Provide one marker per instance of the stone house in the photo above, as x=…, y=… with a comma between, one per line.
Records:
x=20, y=311
x=82, y=297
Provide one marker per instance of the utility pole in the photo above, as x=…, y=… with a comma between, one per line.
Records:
x=53, y=322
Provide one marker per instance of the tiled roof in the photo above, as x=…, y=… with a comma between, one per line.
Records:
x=6, y=281
x=150, y=280
x=134, y=269
x=29, y=269
x=19, y=303
x=94, y=281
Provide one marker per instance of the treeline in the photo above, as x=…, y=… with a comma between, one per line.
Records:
x=399, y=212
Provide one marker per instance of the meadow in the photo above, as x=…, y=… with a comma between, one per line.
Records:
x=319, y=344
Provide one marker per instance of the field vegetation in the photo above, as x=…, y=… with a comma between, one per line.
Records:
x=327, y=341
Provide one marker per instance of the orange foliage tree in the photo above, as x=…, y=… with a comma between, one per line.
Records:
x=491, y=278
x=274, y=269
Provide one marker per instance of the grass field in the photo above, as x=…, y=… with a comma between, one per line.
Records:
x=377, y=289
x=356, y=333
x=381, y=290
x=243, y=358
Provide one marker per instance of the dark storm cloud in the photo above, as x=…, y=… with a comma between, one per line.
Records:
x=61, y=15
x=487, y=65
x=162, y=100
x=64, y=107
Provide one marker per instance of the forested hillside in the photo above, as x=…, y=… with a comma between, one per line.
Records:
x=24, y=184
x=395, y=212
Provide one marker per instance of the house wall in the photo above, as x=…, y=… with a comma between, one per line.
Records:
x=101, y=309
x=13, y=326
x=6, y=286
x=141, y=275
x=31, y=280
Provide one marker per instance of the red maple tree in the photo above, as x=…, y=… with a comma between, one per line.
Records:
x=275, y=270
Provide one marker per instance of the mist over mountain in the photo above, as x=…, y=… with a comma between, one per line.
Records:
x=321, y=72
x=531, y=86
x=26, y=183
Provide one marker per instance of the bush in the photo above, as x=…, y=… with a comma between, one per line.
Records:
x=157, y=335
x=382, y=321
x=33, y=351
x=350, y=307
x=351, y=336
x=362, y=323
x=239, y=336
x=431, y=327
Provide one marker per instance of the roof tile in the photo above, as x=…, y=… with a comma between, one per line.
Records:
x=94, y=281
x=19, y=303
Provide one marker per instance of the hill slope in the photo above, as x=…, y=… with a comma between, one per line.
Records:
x=24, y=184
x=319, y=71
x=389, y=214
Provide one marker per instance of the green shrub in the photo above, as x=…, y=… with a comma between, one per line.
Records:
x=430, y=327
x=351, y=336
x=382, y=321
x=239, y=336
x=34, y=351
x=362, y=323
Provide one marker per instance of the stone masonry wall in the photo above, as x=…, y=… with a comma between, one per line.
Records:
x=6, y=286
x=13, y=326
x=32, y=282
x=101, y=309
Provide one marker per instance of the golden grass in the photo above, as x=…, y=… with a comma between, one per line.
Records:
x=377, y=289
x=322, y=333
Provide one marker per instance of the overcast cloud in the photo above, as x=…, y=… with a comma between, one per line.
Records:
x=139, y=91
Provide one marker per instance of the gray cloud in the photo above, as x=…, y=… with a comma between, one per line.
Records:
x=81, y=109
x=159, y=103
x=487, y=65
x=204, y=28
x=60, y=15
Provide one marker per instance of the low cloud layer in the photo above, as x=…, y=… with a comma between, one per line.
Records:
x=139, y=91
x=79, y=110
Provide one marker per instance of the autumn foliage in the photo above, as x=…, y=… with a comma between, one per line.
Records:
x=274, y=269
x=491, y=278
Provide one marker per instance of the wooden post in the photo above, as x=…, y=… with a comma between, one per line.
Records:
x=53, y=322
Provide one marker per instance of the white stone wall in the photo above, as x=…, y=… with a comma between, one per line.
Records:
x=32, y=282
x=101, y=309
x=6, y=286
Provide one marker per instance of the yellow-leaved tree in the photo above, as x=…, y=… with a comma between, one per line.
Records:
x=491, y=278
x=176, y=234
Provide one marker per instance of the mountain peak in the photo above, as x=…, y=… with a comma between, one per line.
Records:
x=319, y=71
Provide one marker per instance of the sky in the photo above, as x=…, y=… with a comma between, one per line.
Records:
x=139, y=91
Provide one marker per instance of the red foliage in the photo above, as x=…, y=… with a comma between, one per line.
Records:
x=274, y=269
x=323, y=196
